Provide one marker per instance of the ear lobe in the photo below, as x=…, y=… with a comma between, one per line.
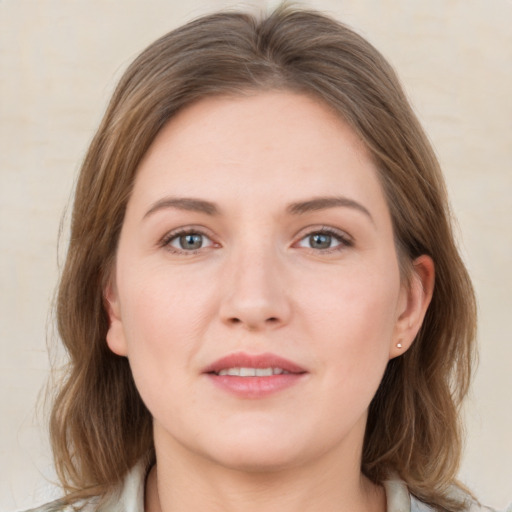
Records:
x=115, y=335
x=413, y=306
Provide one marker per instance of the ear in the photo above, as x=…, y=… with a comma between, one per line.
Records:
x=415, y=298
x=116, y=340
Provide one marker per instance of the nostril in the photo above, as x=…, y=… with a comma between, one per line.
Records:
x=254, y=322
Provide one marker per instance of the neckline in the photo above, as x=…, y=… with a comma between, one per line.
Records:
x=131, y=499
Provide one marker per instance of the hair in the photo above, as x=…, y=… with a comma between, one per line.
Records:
x=99, y=425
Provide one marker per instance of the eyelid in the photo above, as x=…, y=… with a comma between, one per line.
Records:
x=166, y=240
x=342, y=236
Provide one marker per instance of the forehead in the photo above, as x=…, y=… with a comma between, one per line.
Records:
x=257, y=144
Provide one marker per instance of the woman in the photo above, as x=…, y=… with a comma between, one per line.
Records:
x=262, y=300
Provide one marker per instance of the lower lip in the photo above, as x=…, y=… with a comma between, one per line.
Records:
x=255, y=387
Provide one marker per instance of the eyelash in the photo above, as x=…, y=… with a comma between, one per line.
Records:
x=173, y=235
x=344, y=240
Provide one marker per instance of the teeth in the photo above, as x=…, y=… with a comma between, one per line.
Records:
x=263, y=372
x=252, y=372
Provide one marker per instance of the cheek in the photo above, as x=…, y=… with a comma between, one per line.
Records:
x=353, y=302
x=352, y=321
x=163, y=319
x=163, y=309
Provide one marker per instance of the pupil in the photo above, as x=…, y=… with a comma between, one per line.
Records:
x=191, y=241
x=320, y=241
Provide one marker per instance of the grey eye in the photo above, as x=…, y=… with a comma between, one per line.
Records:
x=188, y=242
x=320, y=241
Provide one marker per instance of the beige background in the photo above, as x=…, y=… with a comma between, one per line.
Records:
x=59, y=60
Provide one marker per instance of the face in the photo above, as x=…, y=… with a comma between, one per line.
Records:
x=256, y=291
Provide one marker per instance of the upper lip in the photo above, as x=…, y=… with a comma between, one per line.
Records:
x=243, y=360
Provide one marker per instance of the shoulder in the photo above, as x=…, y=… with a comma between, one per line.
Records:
x=477, y=507
x=470, y=506
x=60, y=506
x=419, y=506
x=470, y=503
x=400, y=500
x=128, y=497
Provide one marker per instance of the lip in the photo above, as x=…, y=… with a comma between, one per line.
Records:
x=254, y=387
x=241, y=359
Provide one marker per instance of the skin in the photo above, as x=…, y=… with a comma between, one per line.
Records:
x=260, y=284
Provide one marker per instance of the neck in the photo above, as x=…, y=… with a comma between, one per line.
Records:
x=179, y=484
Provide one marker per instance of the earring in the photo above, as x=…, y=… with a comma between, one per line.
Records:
x=398, y=345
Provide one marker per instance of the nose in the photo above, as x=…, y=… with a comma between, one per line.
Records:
x=255, y=295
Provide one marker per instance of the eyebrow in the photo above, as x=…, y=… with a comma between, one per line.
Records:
x=323, y=203
x=296, y=208
x=183, y=203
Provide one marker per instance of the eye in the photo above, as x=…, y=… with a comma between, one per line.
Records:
x=186, y=241
x=325, y=240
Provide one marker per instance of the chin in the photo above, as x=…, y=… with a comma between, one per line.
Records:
x=258, y=462
x=259, y=453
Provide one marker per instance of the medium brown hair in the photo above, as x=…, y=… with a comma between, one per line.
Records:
x=99, y=426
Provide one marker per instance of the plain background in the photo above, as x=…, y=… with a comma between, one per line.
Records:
x=59, y=61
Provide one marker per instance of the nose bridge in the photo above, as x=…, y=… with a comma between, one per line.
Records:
x=255, y=292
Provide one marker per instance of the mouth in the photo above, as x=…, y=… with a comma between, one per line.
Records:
x=252, y=372
x=254, y=376
x=241, y=364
